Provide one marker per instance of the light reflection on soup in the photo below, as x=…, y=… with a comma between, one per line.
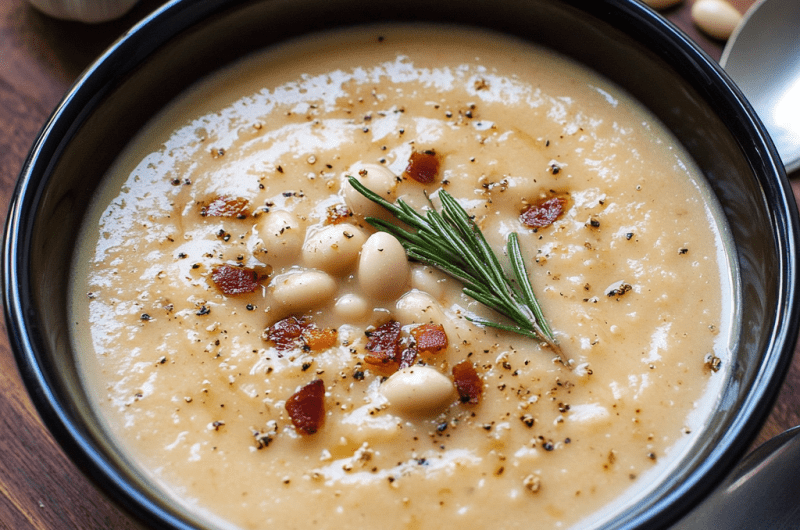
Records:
x=226, y=265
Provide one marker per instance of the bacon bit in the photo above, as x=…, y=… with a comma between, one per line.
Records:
x=226, y=207
x=430, y=338
x=543, y=214
x=383, y=343
x=306, y=407
x=286, y=333
x=468, y=382
x=386, y=347
x=293, y=332
x=423, y=166
x=319, y=339
x=235, y=280
x=336, y=214
x=407, y=357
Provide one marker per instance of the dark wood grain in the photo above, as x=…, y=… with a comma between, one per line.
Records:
x=39, y=59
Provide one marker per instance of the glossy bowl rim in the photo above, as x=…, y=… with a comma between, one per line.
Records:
x=134, y=47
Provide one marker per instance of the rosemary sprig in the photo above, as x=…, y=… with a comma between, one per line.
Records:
x=453, y=243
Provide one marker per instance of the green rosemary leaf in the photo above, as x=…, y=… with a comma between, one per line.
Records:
x=456, y=272
x=505, y=327
x=521, y=274
x=404, y=236
x=497, y=304
x=423, y=242
x=474, y=237
x=451, y=241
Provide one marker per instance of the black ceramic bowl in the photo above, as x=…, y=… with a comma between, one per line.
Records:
x=184, y=40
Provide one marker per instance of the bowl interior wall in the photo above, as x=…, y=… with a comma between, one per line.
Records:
x=112, y=111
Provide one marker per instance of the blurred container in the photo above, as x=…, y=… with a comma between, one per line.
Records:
x=89, y=11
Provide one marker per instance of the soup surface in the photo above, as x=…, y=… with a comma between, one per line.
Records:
x=228, y=289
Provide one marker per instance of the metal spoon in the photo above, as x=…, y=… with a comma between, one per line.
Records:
x=763, y=58
x=762, y=492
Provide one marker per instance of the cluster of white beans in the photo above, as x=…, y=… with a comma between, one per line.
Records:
x=333, y=251
x=716, y=18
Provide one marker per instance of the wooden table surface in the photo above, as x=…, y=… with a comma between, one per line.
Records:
x=39, y=59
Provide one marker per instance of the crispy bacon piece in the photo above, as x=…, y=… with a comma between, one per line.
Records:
x=227, y=207
x=468, y=382
x=286, y=333
x=543, y=214
x=386, y=347
x=306, y=407
x=423, y=166
x=235, y=280
x=383, y=343
x=407, y=357
x=293, y=332
x=430, y=338
x=319, y=339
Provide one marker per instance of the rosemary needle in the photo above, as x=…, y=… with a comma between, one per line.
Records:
x=451, y=241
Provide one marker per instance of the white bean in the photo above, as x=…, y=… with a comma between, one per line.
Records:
x=428, y=280
x=302, y=289
x=717, y=18
x=334, y=248
x=383, y=268
x=378, y=179
x=662, y=4
x=418, y=307
x=280, y=237
x=351, y=307
x=418, y=389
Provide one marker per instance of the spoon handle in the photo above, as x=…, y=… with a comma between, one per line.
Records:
x=763, y=491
